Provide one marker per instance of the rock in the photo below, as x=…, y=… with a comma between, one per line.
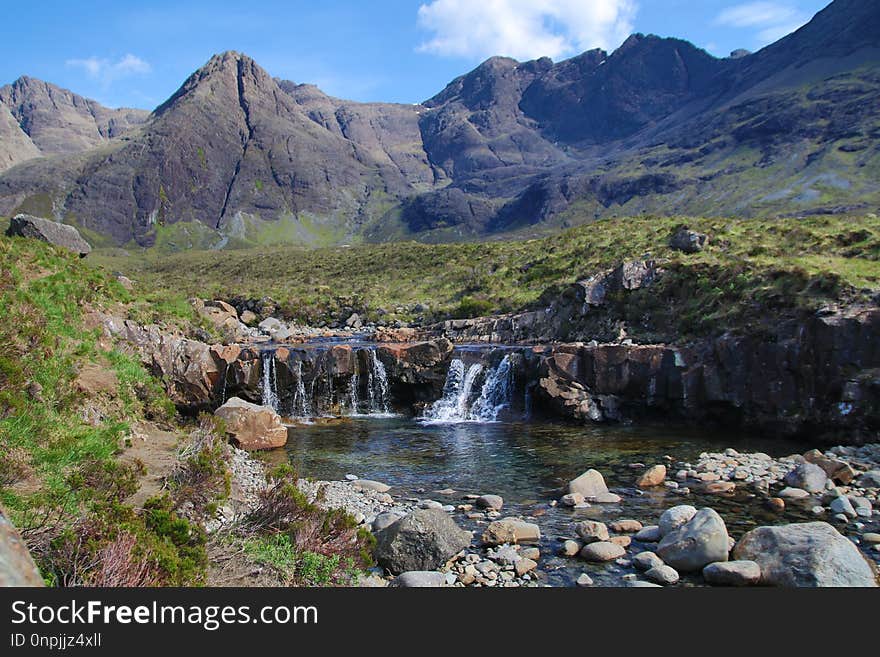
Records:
x=626, y=526
x=863, y=506
x=870, y=479
x=590, y=484
x=125, y=282
x=511, y=530
x=664, y=575
x=793, y=493
x=622, y=541
x=871, y=538
x=646, y=561
x=46, y=230
x=732, y=573
x=570, y=548
x=641, y=584
x=606, y=498
x=835, y=469
x=506, y=556
x=843, y=505
x=653, y=476
x=532, y=553
x=368, y=484
x=252, y=427
x=701, y=541
x=420, y=579
x=776, y=504
x=423, y=540
x=248, y=318
x=807, y=476
x=591, y=531
x=584, y=580
x=648, y=534
x=270, y=325
x=571, y=499
x=17, y=567
x=430, y=504
x=493, y=502
x=384, y=520
x=524, y=566
x=719, y=487
x=687, y=241
x=673, y=518
x=354, y=321
x=809, y=554
x=602, y=551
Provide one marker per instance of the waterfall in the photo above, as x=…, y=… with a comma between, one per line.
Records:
x=377, y=378
x=302, y=402
x=456, y=405
x=495, y=395
x=453, y=406
x=269, y=386
x=354, y=401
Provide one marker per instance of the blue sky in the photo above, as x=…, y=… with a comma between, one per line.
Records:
x=138, y=54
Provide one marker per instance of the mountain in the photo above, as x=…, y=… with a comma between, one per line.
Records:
x=38, y=118
x=236, y=157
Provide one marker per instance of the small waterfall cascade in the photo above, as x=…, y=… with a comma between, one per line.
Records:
x=496, y=393
x=377, y=383
x=269, y=383
x=302, y=402
x=461, y=402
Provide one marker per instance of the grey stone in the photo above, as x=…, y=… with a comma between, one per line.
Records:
x=591, y=531
x=692, y=546
x=493, y=502
x=420, y=579
x=807, y=476
x=589, y=484
x=46, y=230
x=732, y=573
x=812, y=554
x=602, y=551
x=423, y=540
x=648, y=534
x=870, y=479
x=511, y=530
x=673, y=518
x=665, y=575
x=646, y=561
x=843, y=505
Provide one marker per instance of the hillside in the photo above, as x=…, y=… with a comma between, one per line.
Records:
x=237, y=158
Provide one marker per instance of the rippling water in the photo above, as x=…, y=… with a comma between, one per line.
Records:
x=527, y=464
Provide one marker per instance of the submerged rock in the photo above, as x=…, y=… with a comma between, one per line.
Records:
x=805, y=555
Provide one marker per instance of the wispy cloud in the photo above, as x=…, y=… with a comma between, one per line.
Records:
x=524, y=29
x=106, y=71
x=769, y=20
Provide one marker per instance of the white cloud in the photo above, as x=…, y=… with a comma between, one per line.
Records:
x=772, y=20
x=524, y=29
x=106, y=71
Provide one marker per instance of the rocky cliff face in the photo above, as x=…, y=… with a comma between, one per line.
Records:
x=37, y=118
x=240, y=158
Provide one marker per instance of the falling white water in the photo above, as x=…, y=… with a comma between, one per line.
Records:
x=453, y=406
x=457, y=405
x=354, y=401
x=302, y=403
x=495, y=395
x=377, y=379
x=269, y=388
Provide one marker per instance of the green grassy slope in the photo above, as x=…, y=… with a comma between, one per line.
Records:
x=798, y=262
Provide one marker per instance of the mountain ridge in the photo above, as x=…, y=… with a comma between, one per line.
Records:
x=236, y=157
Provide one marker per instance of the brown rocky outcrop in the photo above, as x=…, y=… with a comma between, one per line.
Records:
x=252, y=427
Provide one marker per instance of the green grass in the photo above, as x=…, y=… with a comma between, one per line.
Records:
x=750, y=256
x=305, y=568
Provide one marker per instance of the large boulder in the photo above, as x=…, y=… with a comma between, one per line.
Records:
x=46, y=230
x=17, y=567
x=421, y=541
x=590, y=484
x=252, y=427
x=697, y=543
x=808, y=554
x=807, y=476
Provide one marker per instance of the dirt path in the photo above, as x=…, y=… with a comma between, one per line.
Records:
x=156, y=449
